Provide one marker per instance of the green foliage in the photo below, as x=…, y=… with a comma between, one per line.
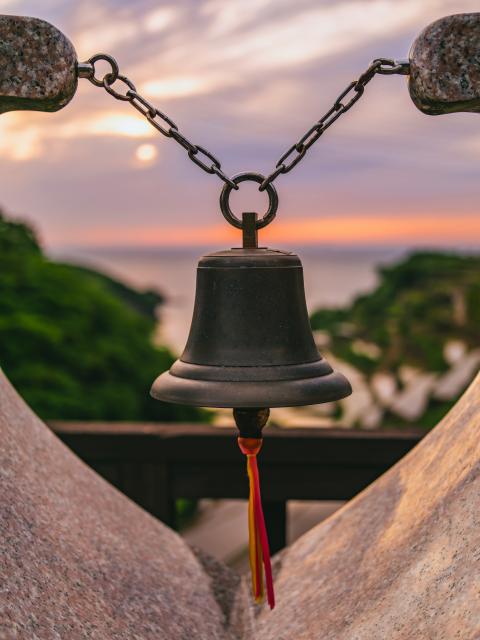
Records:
x=434, y=412
x=75, y=343
x=18, y=238
x=418, y=306
x=185, y=511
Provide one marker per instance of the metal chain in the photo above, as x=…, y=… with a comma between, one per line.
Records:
x=204, y=158
x=200, y=156
x=356, y=89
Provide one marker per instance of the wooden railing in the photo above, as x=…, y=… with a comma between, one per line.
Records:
x=154, y=464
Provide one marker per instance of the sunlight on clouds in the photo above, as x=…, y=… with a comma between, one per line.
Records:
x=108, y=123
x=178, y=86
x=100, y=32
x=22, y=141
x=18, y=140
x=321, y=31
x=254, y=39
x=104, y=36
x=266, y=69
x=96, y=28
x=229, y=16
x=146, y=153
x=160, y=19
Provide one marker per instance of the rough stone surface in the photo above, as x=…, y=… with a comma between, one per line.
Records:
x=445, y=65
x=80, y=560
x=37, y=65
x=401, y=561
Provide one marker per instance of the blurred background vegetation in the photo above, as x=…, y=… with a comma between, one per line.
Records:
x=75, y=343
x=78, y=345
x=413, y=341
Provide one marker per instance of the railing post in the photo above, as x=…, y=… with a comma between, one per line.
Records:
x=165, y=503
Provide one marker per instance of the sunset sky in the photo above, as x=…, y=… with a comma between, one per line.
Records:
x=245, y=79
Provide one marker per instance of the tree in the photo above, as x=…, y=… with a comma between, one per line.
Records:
x=75, y=343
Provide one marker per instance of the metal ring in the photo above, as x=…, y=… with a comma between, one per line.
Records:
x=244, y=177
x=111, y=61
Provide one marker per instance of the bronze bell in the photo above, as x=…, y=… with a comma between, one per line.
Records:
x=250, y=342
x=251, y=348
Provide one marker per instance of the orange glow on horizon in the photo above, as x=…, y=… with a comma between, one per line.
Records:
x=368, y=230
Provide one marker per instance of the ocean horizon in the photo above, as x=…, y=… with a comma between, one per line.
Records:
x=334, y=275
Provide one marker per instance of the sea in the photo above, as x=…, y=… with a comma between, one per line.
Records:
x=333, y=276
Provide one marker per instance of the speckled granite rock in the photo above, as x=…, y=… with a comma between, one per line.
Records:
x=445, y=65
x=402, y=560
x=79, y=560
x=37, y=65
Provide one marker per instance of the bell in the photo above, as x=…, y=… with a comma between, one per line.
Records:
x=250, y=342
x=251, y=348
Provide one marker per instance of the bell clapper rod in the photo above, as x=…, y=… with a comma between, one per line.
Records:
x=250, y=423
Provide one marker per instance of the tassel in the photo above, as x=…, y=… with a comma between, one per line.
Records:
x=259, y=551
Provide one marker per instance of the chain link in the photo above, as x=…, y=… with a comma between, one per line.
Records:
x=207, y=160
x=356, y=89
x=165, y=125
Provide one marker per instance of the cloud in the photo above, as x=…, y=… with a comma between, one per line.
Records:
x=161, y=18
x=272, y=43
x=107, y=124
x=21, y=141
x=245, y=79
x=179, y=86
x=316, y=32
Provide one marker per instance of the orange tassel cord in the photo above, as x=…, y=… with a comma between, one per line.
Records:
x=259, y=551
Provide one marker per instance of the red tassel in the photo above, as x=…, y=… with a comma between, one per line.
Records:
x=258, y=539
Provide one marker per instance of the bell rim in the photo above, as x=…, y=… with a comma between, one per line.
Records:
x=202, y=393
x=261, y=373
